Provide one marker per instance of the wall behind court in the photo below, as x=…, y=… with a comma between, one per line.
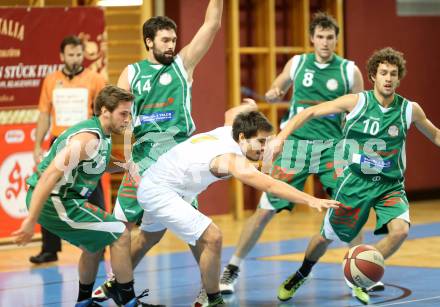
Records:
x=374, y=24
x=369, y=25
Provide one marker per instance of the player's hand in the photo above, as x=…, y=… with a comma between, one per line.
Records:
x=273, y=148
x=250, y=102
x=274, y=94
x=133, y=172
x=25, y=233
x=319, y=204
x=37, y=154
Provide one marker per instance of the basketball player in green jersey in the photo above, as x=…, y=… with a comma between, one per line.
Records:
x=374, y=137
x=316, y=77
x=162, y=108
x=58, y=192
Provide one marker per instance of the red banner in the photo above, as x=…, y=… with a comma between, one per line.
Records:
x=30, y=46
x=16, y=165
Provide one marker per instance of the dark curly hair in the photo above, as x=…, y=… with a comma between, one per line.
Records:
x=323, y=20
x=154, y=24
x=386, y=55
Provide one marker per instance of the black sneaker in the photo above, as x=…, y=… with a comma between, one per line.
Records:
x=43, y=257
x=219, y=302
x=87, y=303
x=100, y=293
x=107, y=290
x=228, y=279
x=135, y=302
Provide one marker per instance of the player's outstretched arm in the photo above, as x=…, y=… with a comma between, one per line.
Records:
x=243, y=170
x=424, y=125
x=193, y=52
x=77, y=150
x=339, y=105
x=280, y=85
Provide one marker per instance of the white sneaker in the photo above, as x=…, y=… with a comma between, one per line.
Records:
x=201, y=300
x=379, y=286
x=228, y=279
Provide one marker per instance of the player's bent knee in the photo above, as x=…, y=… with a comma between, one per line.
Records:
x=321, y=240
x=399, y=234
x=213, y=236
x=399, y=229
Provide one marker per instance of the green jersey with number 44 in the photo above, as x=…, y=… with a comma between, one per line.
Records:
x=374, y=136
x=161, y=110
x=315, y=82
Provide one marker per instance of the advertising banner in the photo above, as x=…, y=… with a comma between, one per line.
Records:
x=30, y=46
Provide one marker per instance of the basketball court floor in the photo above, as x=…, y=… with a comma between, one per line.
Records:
x=412, y=276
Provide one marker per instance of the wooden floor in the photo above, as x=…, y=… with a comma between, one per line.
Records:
x=285, y=226
x=282, y=243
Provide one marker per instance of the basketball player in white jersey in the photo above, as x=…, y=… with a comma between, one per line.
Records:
x=168, y=186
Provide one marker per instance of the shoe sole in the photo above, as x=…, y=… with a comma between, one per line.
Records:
x=227, y=292
x=42, y=262
x=361, y=301
x=377, y=289
x=283, y=300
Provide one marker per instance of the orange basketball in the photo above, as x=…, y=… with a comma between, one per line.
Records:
x=363, y=265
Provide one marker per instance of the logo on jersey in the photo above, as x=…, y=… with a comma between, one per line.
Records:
x=157, y=117
x=165, y=79
x=332, y=84
x=393, y=131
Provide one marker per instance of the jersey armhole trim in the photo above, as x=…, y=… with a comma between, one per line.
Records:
x=359, y=105
x=130, y=74
x=408, y=114
x=293, y=69
x=350, y=74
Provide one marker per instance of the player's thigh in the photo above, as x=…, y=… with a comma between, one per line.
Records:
x=81, y=223
x=393, y=205
x=346, y=221
x=164, y=206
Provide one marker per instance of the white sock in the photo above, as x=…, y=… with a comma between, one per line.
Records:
x=235, y=261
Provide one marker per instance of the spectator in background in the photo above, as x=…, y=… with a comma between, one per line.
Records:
x=66, y=99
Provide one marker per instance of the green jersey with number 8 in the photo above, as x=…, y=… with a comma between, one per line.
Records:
x=315, y=82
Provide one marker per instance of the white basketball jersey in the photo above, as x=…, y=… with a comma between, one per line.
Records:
x=186, y=167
